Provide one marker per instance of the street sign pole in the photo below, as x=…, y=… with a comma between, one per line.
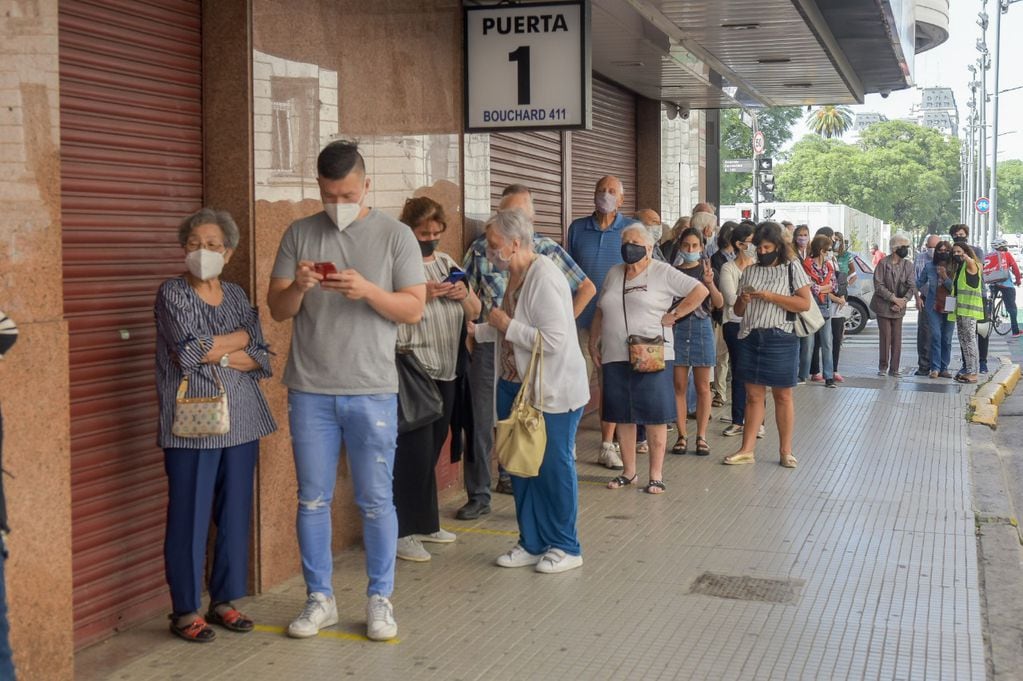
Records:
x=756, y=173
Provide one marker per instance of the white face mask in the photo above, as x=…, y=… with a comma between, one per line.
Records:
x=655, y=231
x=205, y=265
x=343, y=214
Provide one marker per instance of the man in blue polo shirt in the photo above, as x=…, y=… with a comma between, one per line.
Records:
x=595, y=243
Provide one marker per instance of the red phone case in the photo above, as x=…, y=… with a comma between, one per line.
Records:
x=324, y=268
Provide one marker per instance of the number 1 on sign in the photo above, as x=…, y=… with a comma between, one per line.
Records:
x=521, y=55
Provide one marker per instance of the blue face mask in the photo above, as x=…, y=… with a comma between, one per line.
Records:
x=691, y=257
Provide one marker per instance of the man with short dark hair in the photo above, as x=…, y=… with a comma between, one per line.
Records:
x=923, y=323
x=347, y=277
x=490, y=284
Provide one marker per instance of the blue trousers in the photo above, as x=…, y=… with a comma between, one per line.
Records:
x=941, y=339
x=823, y=339
x=6, y=655
x=368, y=425
x=547, y=506
x=731, y=333
x=201, y=483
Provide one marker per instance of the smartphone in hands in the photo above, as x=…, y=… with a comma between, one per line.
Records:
x=324, y=268
x=456, y=275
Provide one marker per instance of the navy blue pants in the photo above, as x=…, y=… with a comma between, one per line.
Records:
x=6, y=656
x=547, y=506
x=203, y=483
x=731, y=331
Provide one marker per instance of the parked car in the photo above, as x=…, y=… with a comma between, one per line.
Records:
x=861, y=290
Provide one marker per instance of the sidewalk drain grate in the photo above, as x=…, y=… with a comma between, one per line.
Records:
x=784, y=591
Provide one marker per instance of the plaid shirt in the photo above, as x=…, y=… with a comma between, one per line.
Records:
x=490, y=285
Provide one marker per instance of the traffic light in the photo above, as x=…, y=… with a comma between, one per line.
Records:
x=769, y=213
x=747, y=214
x=765, y=164
x=767, y=182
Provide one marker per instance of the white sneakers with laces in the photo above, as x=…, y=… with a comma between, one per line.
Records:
x=410, y=548
x=609, y=456
x=441, y=536
x=320, y=611
x=380, y=624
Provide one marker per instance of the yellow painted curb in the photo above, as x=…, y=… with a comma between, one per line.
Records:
x=984, y=403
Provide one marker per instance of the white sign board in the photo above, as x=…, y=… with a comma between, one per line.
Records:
x=759, y=143
x=527, y=66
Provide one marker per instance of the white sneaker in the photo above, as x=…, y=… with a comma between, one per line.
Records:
x=732, y=431
x=609, y=457
x=320, y=611
x=380, y=624
x=556, y=560
x=761, y=432
x=441, y=536
x=410, y=548
x=517, y=557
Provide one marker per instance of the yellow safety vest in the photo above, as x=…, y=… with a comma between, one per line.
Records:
x=969, y=301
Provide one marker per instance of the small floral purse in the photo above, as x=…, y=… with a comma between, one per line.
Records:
x=201, y=416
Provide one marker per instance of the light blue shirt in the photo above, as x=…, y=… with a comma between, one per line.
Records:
x=596, y=251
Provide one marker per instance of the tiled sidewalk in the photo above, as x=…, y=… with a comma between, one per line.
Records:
x=867, y=551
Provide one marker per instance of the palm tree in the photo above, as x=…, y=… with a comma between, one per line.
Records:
x=830, y=121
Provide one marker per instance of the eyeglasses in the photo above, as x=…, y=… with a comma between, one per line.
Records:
x=209, y=246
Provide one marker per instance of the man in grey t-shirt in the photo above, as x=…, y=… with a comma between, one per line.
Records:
x=346, y=277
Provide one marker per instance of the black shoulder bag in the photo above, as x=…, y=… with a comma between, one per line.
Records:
x=419, y=400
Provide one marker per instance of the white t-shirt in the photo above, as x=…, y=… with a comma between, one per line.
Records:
x=648, y=296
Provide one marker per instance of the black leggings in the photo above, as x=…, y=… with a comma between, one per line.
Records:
x=415, y=474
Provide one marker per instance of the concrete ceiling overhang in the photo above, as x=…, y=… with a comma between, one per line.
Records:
x=709, y=55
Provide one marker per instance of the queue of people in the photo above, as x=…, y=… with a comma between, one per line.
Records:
x=672, y=322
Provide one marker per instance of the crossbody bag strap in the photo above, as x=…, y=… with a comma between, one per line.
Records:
x=625, y=308
x=183, y=386
x=529, y=378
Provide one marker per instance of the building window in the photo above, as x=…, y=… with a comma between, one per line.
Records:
x=295, y=125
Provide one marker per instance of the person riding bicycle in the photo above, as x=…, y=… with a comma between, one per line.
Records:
x=1000, y=273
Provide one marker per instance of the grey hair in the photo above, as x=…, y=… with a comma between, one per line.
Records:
x=209, y=216
x=512, y=224
x=702, y=221
x=643, y=230
x=898, y=238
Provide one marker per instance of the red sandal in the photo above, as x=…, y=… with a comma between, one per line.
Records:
x=196, y=631
x=232, y=619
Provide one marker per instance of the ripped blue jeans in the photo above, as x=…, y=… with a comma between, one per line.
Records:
x=368, y=426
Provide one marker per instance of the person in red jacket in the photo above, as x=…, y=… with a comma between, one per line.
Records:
x=1001, y=272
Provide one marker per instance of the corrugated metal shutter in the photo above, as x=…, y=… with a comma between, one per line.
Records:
x=608, y=149
x=131, y=168
x=532, y=159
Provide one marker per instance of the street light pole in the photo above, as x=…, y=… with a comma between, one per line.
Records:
x=756, y=172
x=1003, y=7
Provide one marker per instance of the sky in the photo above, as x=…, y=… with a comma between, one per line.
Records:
x=945, y=66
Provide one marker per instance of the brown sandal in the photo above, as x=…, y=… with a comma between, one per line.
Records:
x=196, y=631
x=232, y=619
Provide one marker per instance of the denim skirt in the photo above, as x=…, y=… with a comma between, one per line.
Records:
x=694, y=343
x=769, y=357
x=631, y=397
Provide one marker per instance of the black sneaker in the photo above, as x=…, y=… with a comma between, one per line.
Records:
x=472, y=510
x=830, y=383
x=922, y=372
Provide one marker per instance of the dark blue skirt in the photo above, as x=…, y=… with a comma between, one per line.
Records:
x=769, y=357
x=694, y=342
x=631, y=397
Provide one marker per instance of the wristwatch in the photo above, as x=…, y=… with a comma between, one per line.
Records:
x=225, y=360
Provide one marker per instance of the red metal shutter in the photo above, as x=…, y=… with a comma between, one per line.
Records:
x=608, y=149
x=532, y=159
x=131, y=168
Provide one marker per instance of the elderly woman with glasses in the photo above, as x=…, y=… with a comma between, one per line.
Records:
x=538, y=301
x=209, y=344
x=638, y=299
x=894, y=287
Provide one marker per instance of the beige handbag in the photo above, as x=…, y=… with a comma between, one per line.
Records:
x=522, y=437
x=200, y=416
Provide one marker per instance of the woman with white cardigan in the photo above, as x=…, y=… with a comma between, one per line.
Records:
x=538, y=301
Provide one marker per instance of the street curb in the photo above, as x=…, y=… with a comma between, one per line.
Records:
x=984, y=403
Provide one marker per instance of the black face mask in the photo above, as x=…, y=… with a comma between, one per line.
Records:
x=428, y=247
x=902, y=251
x=959, y=239
x=941, y=256
x=633, y=253
x=960, y=259
x=767, y=259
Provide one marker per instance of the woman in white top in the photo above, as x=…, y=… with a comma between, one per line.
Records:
x=637, y=300
x=538, y=301
x=741, y=240
x=771, y=293
x=434, y=342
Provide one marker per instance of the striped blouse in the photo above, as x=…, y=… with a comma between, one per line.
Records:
x=8, y=334
x=185, y=326
x=761, y=314
x=434, y=340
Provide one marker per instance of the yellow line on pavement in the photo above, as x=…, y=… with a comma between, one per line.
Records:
x=483, y=530
x=340, y=635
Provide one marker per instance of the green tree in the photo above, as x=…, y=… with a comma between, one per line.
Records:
x=737, y=142
x=830, y=121
x=1010, y=196
x=904, y=174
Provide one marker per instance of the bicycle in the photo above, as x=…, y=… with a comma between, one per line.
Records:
x=1000, y=321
